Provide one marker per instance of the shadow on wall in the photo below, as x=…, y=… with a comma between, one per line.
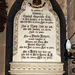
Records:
x=9, y=33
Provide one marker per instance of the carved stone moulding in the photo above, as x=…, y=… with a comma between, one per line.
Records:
x=22, y=68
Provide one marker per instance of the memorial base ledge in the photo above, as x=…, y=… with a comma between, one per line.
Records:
x=24, y=68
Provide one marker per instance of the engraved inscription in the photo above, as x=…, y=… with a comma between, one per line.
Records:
x=37, y=27
x=37, y=36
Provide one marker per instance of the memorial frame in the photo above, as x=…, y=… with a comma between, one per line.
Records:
x=16, y=50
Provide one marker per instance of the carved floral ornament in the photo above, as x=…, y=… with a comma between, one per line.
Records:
x=23, y=8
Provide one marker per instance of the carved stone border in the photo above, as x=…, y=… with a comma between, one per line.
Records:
x=57, y=33
x=36, y=68
x=15, y=38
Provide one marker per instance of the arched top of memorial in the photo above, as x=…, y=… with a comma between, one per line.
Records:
x=35, y=4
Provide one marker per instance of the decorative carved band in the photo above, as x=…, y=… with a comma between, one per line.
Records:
x=36, y=68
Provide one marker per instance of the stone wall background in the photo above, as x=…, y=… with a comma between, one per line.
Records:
x=71, y=29
x=68, y=8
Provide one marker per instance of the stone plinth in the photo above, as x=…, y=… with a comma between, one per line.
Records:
x=18, y=68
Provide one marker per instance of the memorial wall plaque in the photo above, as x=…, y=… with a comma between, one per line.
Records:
x=36, y=36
